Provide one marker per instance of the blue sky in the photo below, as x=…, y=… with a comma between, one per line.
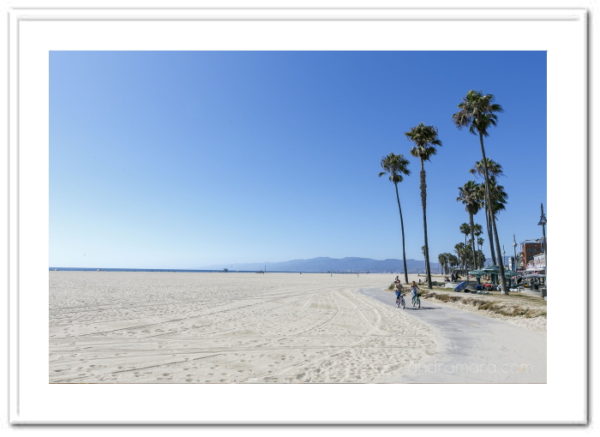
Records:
x=191, y=159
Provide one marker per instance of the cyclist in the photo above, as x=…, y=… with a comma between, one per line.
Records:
x=414, y=292
x=399, y=293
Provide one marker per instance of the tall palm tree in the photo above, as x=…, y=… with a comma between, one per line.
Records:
x=494, y=170
x=396, y=166
x=468, y=195
x=498, y=197
x=478, y=112
x=425, y=139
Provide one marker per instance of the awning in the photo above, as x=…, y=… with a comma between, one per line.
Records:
x=492, y=270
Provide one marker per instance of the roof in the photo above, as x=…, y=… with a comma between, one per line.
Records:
x=492, y=270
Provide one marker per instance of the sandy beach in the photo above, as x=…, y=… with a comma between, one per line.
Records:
x=140, y=327
x=156, y=327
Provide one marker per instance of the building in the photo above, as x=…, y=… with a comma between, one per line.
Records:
x=538, y=263
x=529, y=249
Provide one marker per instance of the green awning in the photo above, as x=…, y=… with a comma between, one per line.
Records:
x=492, y=270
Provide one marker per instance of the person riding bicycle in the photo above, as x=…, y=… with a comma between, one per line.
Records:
x=399, y=288
x=399, y=291
x=414, y=291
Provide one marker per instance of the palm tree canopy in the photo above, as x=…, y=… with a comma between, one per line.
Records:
x=425, y=139
x=465, y=229
x=498, y=197
x=478, y=112
x=452, y=259
x=395, y=166
x=470, y=196
x=460, y=248
x=494, y=168
x=477, y=229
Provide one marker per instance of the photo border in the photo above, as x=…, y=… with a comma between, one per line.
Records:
x=21, y=14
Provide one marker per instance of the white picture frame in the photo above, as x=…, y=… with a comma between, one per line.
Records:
x=33, y=32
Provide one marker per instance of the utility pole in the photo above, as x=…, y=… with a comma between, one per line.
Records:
x=516, y=265
x=542, y=223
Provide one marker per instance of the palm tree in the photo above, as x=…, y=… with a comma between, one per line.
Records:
x=397, y=166
x=480, y=242
x=480, y=258
x=425, y=139
x=468, y=194
x=460, y=249
x=443, y=260
x=494, y=170
x=478, y=112
x=449, y=261
x=478, y=231
x=452, y=260
x=465, y=229
x=498, y=197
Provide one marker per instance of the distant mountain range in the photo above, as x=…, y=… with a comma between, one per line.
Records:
x=339, y=265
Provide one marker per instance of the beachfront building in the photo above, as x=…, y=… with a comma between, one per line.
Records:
x=533, y=272
x=529, y=249
x=538, y=263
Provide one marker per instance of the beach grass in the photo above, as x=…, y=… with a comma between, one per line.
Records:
x=512, y=305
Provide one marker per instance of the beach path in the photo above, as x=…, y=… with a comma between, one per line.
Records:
x=473, y=348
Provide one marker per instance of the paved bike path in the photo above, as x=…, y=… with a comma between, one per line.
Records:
x=473, y=348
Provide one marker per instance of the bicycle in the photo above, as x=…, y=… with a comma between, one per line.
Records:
x=400, y=302
x=416, y=302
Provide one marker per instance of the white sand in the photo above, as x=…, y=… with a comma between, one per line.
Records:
x=130, y=327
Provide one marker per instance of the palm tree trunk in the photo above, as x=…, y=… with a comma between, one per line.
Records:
x=424, y=204
x=402, y=227
x=473, y=240
x=489, y=230
x=493, y=219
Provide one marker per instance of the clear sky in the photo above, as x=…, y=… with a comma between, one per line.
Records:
x=192, y=159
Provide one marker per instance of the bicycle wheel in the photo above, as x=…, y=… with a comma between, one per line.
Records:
x=416, y=303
